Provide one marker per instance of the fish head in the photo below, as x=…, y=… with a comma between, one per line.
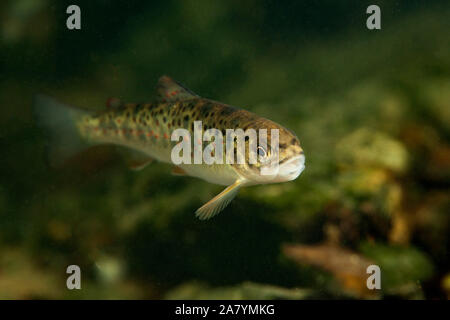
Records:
x=280, y=159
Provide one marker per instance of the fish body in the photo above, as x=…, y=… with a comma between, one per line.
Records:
x=148, y=128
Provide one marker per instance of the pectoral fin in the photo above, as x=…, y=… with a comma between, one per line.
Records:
x=219, y=202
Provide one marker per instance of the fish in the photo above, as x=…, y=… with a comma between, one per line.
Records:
x=146, y=129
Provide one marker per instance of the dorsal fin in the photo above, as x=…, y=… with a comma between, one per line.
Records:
x=170, y=90
x=114, y=103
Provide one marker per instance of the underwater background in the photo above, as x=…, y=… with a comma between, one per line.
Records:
x=371, y=109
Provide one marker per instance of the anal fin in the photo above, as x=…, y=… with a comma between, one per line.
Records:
x=134, y=160
x=139, y=165
x=219, y=202
x=177, y=171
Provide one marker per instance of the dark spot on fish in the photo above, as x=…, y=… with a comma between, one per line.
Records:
x=234, y=123
x=186, y=118
x=226, y=111
x=206, y=109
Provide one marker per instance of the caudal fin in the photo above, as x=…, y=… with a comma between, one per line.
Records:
x=59, y=122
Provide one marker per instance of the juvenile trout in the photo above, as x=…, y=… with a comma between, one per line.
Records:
x=147, y=128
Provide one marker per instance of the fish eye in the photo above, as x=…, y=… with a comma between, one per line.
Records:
x=261, y=152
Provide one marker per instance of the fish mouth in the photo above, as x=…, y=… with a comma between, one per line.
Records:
x=292, y=168
x=288, y=170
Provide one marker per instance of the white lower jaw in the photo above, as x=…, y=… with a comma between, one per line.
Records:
x=291, y=170
x=286, y=172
